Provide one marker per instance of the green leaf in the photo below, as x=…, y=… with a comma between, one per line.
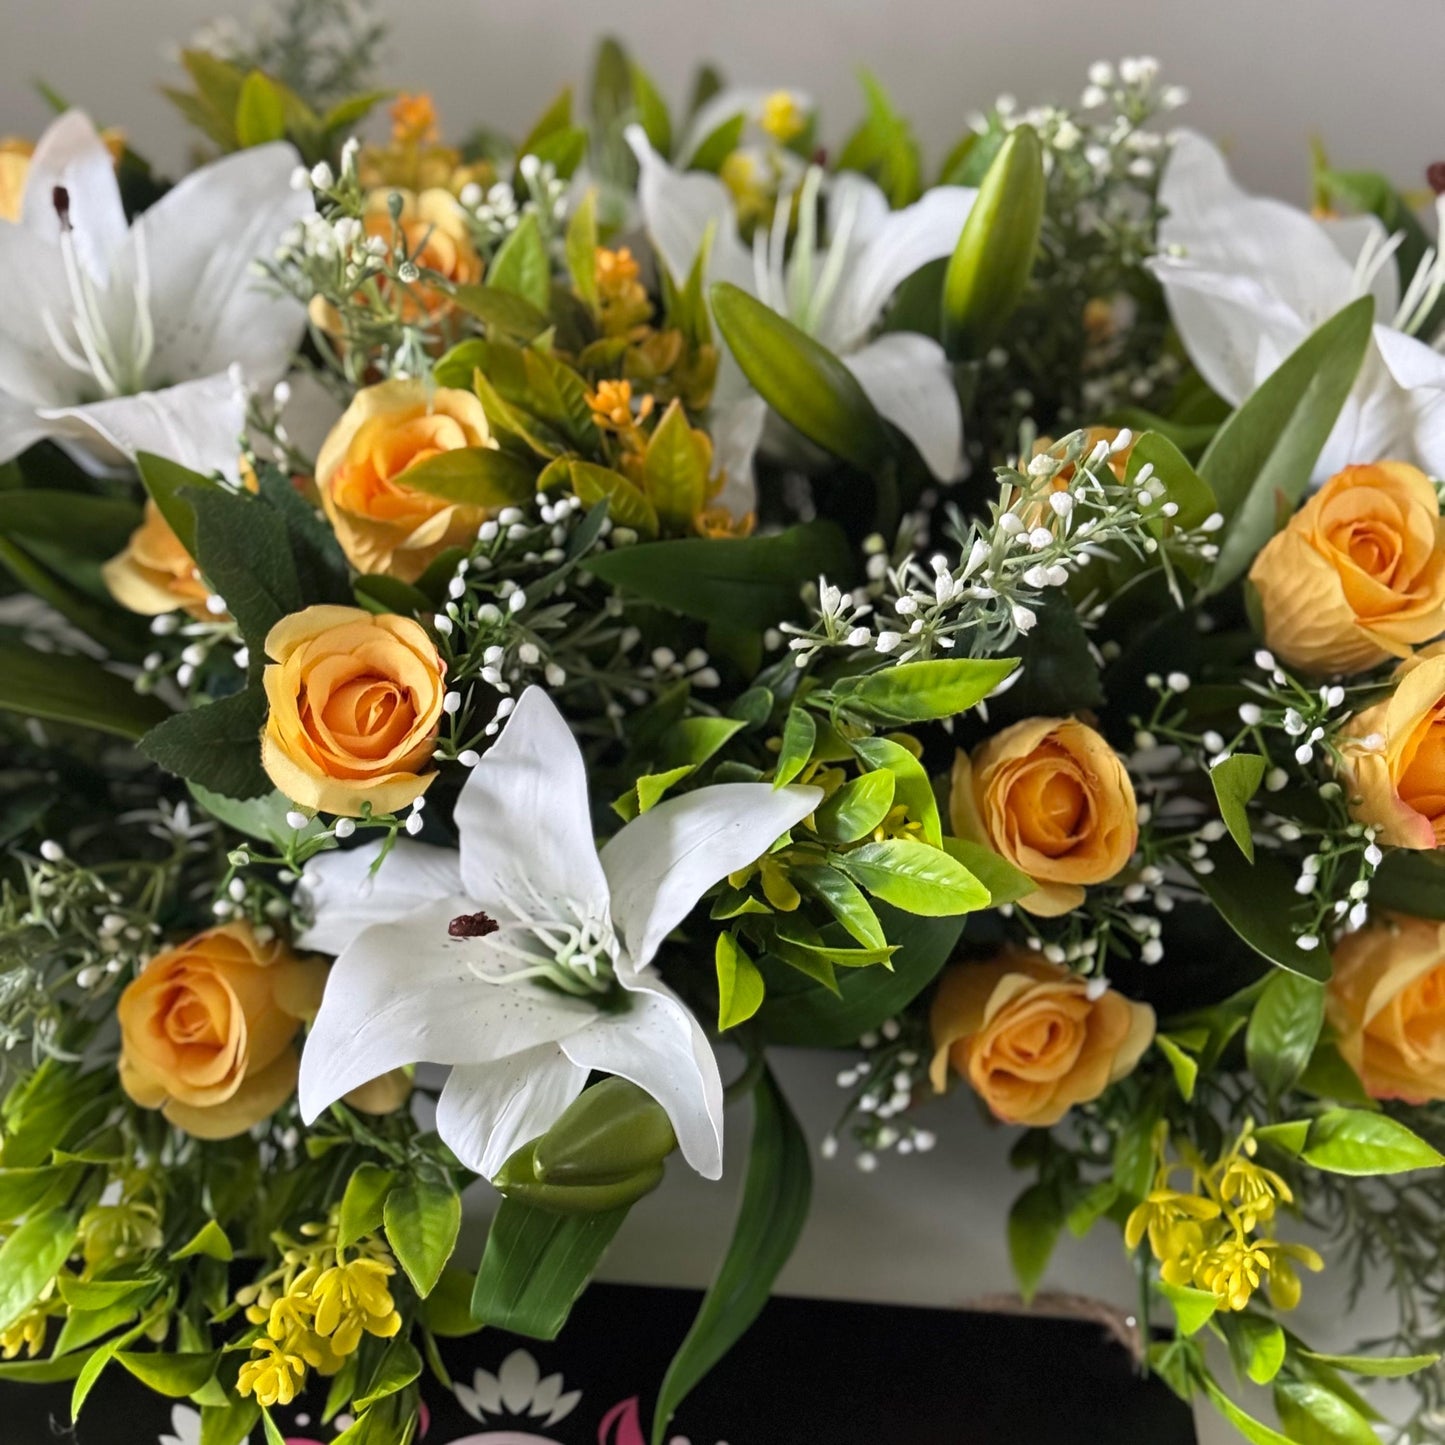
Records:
x=260, y=112
x=581, y=246
x=994, y=257
x=271, y=1429
x=1329, y=1077
x=172, y=1375
x=799, y=734
x=1193, y=1308
x=1034, y=1223
x=1388, y=1368
x=627, y=505
x=1005, y=883
x=1267, y=449
x=535, y=1265
x=262, y=818
x=447, y=1310
x=1290, y=1136
x=739, y=983
x=1086, y=1212
x=503, y=311
x=400, y=1365
x=1257, y=900
x=717, y=145
x=54, y=1371
x=1315, y=1415
x=855, y=809
x=1257, y=1346
x=521, y=265
x=651, y=111
x=1184, y=1067
x=210, y=1240
x=119, y=633
x=801, y=380
x=884, y=147
x=79, y=524
x=231, y=1423
x=61, y=688
x=1236, y=780
x=1247, y=1425
x=915, y=692
x=30, y=1258
x=474, y=477
x=1284, y=1028
x=842, y=898
x=217, y=746
x=244, y=551
x=776, y=1193
x=1354, y=1141
x=915, y=877
x=911, y=784
x=362, y=1204
x=104, y=1294
x=1410, y=881
x=170, y=485
x=422, y=1221
x=675, y=469
x=815, y=1018
x=750, y=582
x=26, y=1191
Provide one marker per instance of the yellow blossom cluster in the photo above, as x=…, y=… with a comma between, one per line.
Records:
x=1214, y=1235
x=315, y=1308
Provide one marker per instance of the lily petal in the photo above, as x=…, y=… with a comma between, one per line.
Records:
x=345, y=896
x=681, y=209
x=71, y=156
x=405, y=992
x=486, y=1111
x=197, y=245
x=900, y=242
x=908, y=378
x=665, y=859
x=32, y=284
x=658, y=1046
x=737, y=432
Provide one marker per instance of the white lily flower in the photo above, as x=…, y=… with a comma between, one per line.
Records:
x=119, y=338
x=521, y=960
x=835, y=288
x=1249, y=278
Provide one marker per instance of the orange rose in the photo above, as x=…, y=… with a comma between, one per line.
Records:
x=1358, y=574
x=355, y=703
x=208, y=1030
x=1386, y=1001
x=1029, y=1039
x=384, y=525
x=1394, y=756
x=1052, y=797
x=155, y=573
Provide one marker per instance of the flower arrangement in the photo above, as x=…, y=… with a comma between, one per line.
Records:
x=499, y=635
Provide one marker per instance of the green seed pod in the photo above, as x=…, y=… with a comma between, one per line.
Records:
x=610, y=1132
x=518, y=1179
x=990, y=266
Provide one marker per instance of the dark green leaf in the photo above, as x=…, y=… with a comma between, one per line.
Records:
x=80, y=524
x=1005, y=883
x=217, y=745
x=1034, y=1223
x=1257, y=900
x=775, y=1200
x=1182, y=484
x=244, y=552
x=1411, y=881
x=169, y=485
x=119, y=633
x=67, y=689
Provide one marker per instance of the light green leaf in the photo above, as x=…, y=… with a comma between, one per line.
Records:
x=1005, y=883
x=103, y=1294
x=1193, y=1308
x=1315, y=1415
x=1085, y=1213
x=855, y=809
x=172, y=1375
x=210, y=1240
x=399, y=1367
x=447, y=1310
x=30, y=1258
x=521, y=265
x=1284, y=1027
x=1034, y=1223
x=801, y=380
x=1184, y=1067
x=1236, y=780
x=231, y=1423
x=776, y=1193
x=842, y=899
x=260, y=112
x=739, y=983
x=1268, y=448
x=626, y=504
x=503, y=312
x=799, y=733
x=1353, y=1141
x=60, y=688
x=363, y=1204
x=911, y=784
x=1290, y=1136
x=473, y=477
x=1247, y=1425
x=924, y=691
x=272, y=1431
x=1256, y=1344
x=581, y=247
x=1386, y=1368
x=675, y=469
x=422, y=1220
x=994, y=257
x=915, y=877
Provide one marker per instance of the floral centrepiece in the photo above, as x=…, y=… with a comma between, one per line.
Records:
x=502, y=635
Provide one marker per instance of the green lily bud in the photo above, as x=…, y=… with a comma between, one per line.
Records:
x=605, y=1151
x=990, y=266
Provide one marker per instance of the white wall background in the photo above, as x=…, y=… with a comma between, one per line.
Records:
x=1266, y=75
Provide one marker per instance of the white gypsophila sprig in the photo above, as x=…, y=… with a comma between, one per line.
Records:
x=494, y=212
x=1065, y=509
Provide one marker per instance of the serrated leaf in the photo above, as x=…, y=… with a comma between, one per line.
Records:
x=217, y=745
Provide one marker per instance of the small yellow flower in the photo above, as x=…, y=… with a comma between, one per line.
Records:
x=614, y=408
x=274, y=1376
x=351, y=1298
x=1284, y=1280
x=1233, y=1269
x=1253, y=1190
x=27, y=1333
x=718, y=522
x=782, y=117
x=1161, y=1212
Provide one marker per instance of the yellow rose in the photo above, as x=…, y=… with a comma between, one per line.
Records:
x=434, y=231
x=1029, y=1039
x=1052, y=797
x=384, y=525
x=1386, y=1001
x=14, y=170
x=155, y=573
x=1358, y=574
x=1394, y=756
x=355, y=703
x=208, y=1030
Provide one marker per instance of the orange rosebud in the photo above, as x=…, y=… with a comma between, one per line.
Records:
x=1029, y=1039
x=1358, y=573
x=1052, y=797
x=155, y=573
x=208, y=1030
